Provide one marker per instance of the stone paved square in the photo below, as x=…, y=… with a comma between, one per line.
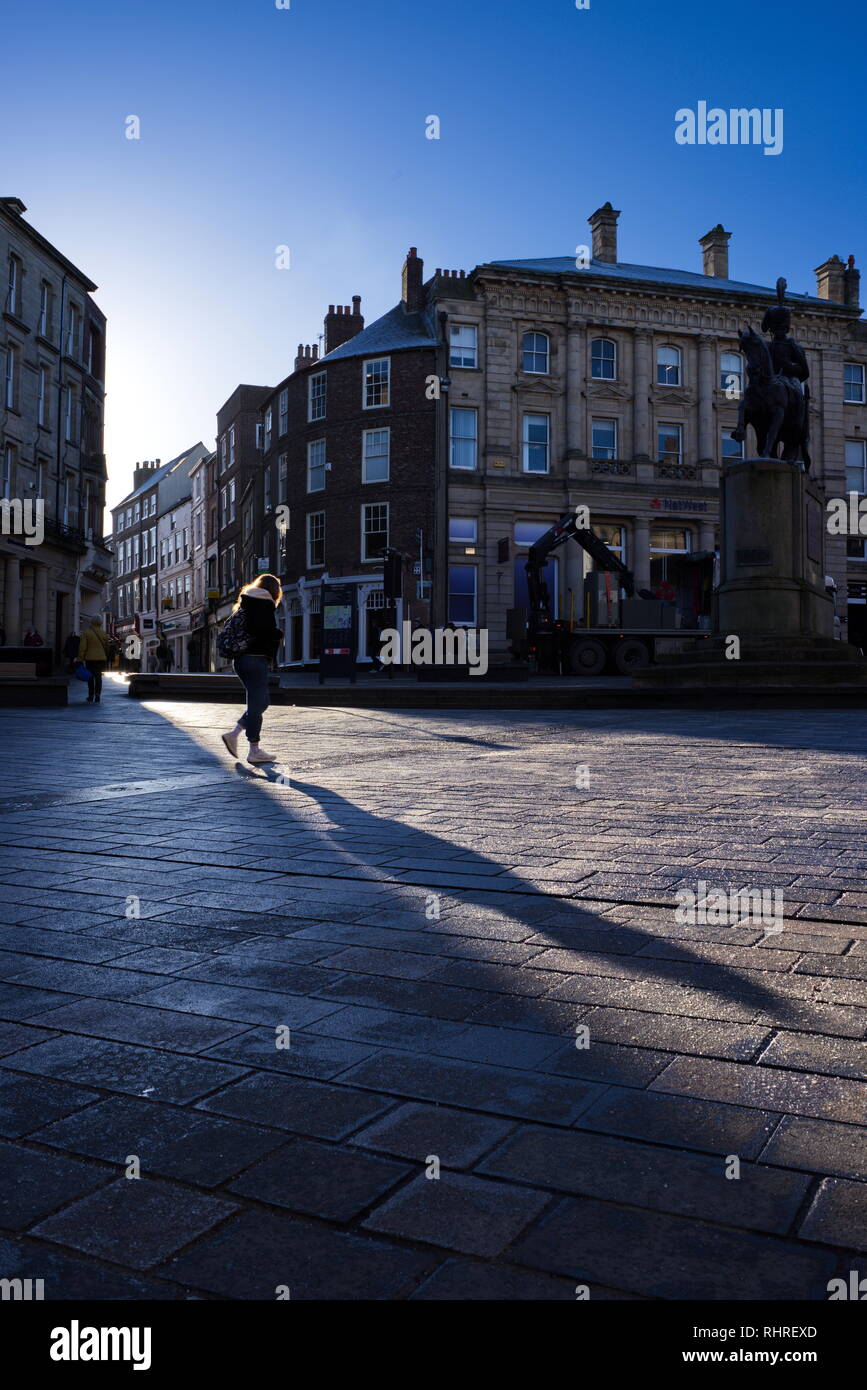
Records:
x=409, y=1015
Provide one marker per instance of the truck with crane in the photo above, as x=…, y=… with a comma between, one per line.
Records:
x=615, y=628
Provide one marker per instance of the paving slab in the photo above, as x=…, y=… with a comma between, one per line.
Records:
x=134, y=1221
x=459, y=1212
x=169, y=1142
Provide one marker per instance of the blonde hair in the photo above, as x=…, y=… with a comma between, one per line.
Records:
x=269, y=582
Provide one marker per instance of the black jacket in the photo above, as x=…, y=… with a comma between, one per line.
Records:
x=261, y=619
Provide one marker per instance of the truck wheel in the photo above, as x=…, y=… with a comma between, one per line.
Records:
x=586, y=657
x=631, y=655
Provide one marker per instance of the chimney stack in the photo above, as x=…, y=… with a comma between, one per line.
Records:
x=603, y=225
x=852, y=285
x=341, y=324
x=412, y=277
x=141, y=472
x=715, y=250
x=830, y=280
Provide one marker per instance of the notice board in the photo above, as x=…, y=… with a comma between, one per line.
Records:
x=339, y=635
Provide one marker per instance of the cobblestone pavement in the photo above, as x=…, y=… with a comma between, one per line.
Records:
x=429, y=910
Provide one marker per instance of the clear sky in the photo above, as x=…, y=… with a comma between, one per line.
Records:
x=305, y=127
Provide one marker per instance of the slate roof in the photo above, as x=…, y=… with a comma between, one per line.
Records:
x=396, y=329
x=159, y=473
x=648, y=274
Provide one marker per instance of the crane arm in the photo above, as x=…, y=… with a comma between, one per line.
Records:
x=565, y=529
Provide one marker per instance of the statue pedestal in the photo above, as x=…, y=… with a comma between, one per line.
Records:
x=772, y=553
x=771, y=595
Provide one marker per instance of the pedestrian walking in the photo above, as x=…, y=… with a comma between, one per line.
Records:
x=251, y=638
x=93, y=651
x=165, y=661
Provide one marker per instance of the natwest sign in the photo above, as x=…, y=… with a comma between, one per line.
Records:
x=678, y=504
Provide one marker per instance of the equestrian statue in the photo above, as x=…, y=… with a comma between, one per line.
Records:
x=777, y=398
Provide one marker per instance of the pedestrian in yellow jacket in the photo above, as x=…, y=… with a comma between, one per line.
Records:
x=93, y=651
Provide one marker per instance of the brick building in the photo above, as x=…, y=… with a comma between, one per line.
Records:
x=238, y=461
x=52, y=372
x=348, y=465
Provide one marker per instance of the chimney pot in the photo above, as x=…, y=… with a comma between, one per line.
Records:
x=356, y=304
x=331, y=308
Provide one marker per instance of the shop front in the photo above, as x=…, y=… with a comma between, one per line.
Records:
x=300, y=620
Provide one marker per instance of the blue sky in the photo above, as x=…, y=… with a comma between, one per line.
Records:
x=306, y=127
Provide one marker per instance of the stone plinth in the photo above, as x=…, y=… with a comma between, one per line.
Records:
x=772, y=553
x=771, y=596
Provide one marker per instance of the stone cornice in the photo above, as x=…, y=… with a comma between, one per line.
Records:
x=672, y=309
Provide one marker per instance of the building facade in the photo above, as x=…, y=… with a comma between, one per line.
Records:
x=144, y=545
x=52, y=355
x=349, y=467
x=616, y=386
x=238, y=461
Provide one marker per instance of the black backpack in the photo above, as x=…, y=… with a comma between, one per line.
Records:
x=234, y=638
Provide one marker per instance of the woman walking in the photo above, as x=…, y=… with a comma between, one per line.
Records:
x=93, y=651
x=252, y=637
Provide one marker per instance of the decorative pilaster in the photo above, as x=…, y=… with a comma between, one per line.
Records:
x=40, y=601
x=641, y=404
x=706, y=377
x=576, y=370
x=641, y=552
x=12, y=605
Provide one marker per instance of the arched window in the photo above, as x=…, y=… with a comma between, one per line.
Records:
x=603, y=359
x=668, y=366
x=534, y=350
x=731, y=374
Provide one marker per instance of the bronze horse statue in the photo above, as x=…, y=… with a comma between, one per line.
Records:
x=775, y=405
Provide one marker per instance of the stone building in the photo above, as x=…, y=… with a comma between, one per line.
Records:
x=585, y=380
x=138, y=589
x=52, y=370
x=203, y=563
x=175, y=556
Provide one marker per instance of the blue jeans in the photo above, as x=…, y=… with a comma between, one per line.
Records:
x=253, y=671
